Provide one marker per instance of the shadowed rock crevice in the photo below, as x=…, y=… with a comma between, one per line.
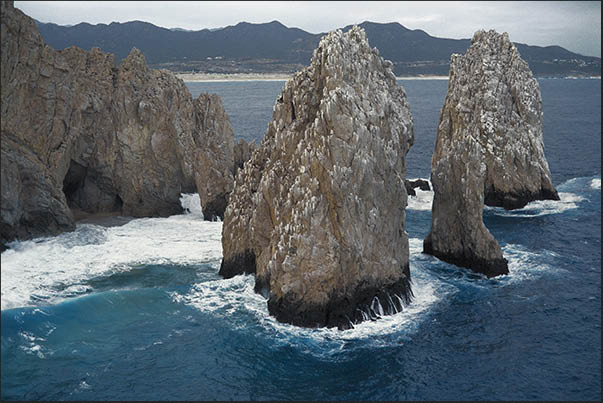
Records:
x=242, y=154
x=242, y=263
x=86, y=191
x=73, y=183
x=215, y=207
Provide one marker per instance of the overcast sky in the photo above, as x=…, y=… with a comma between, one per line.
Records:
x=574, y=25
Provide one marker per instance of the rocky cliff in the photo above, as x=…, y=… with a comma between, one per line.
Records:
x=242, y=153
x=318, y=212
x=82, y=136
x=489, y=150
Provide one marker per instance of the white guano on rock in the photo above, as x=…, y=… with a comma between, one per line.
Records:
x=489, y=150
x=318, y=212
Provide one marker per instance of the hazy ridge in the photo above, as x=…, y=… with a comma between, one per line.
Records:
x=274, y=48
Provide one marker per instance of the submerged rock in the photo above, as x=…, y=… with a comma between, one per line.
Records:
x=82, y=136
x=318, y=212
x=489, y=149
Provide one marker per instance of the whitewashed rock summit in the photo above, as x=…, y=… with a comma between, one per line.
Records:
x=489, y=149
x=318, y=212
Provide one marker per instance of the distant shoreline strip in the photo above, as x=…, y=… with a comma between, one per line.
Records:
x=217, y=77
x=208, y=77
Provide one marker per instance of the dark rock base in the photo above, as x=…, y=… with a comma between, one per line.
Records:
x=215, y=208
x=38, y=224
x=512, y=201
x=243, y=263
x=491, y=268
x=343, y=311
x=367, y=302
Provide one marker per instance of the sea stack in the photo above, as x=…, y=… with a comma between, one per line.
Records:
x=489, y=150
x=82, y=136
x=318, y=212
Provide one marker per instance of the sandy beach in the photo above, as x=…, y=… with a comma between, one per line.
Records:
x=207, y=77
x=204, y=77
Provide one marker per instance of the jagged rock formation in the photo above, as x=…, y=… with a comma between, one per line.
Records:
x=488, y=150
x=214, y=154
x=82, y=136
x=318, y=212
x=242, y=153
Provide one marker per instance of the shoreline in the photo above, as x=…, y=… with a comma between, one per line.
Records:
x=226, y=77
x=217, y=77
x=210, y=77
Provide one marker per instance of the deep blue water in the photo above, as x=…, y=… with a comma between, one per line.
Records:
x=139, y=312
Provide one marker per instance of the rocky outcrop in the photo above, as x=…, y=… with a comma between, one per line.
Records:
x=80, y=135
x=318, y=212
x=214, y=154
x=489, y=149
x=242, y=153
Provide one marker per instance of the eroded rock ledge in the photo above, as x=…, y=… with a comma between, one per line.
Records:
x=80, y=135
x=318, y=212
x=489, y=150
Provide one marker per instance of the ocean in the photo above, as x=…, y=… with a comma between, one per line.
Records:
x=138, y=312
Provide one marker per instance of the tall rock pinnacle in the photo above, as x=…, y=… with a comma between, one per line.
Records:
x=489, y=150
x=318, y=212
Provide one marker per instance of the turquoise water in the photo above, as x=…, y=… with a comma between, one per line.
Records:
x=138, y=311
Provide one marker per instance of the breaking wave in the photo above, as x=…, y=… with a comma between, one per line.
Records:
x=47, y=270
x=568, y=200
x=433, y=282
x=423, y=200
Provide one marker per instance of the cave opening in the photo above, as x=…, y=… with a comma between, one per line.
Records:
x=73, y=182
x=117, y=204
x=87, y=192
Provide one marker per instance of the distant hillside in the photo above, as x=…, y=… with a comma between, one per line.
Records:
x=273, y=47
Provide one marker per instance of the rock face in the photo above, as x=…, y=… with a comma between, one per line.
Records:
x=82, y=136
x=213, y=154
x=242, y=153
x=489, y=149
x=318, y=212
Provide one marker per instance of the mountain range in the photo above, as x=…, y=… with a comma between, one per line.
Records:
x=274, y=48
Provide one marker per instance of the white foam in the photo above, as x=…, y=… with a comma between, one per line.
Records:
x=47, y=270
x=235, y=297
x=527, y=265
x=423, y=200
x=568, y=201
x=191, y=204
x=31, y=344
